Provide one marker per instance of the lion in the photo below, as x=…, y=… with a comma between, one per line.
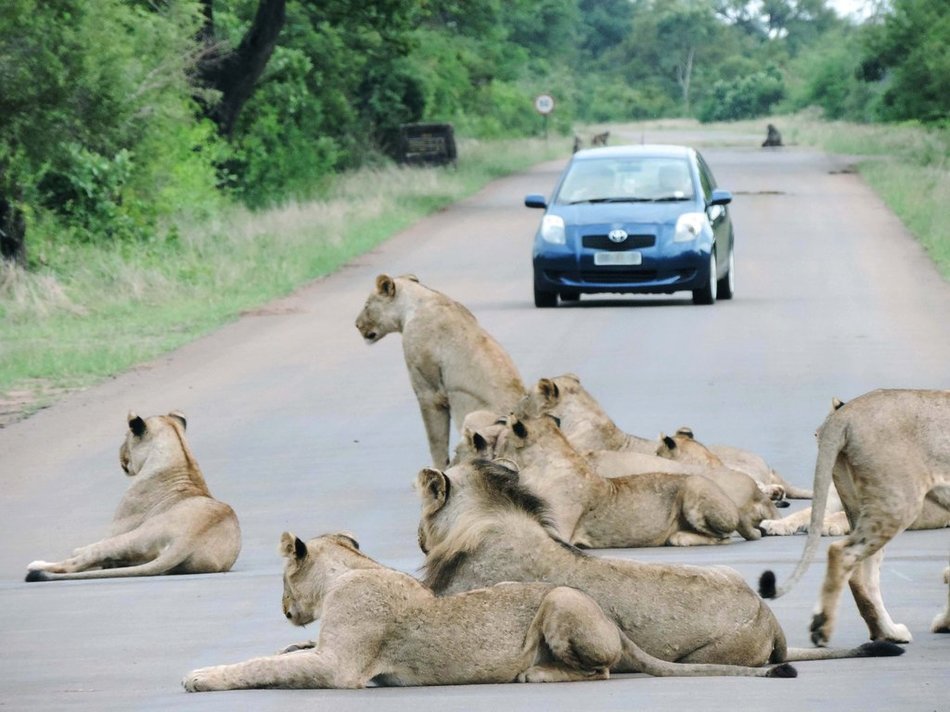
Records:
x=589, y=428
x=455, y=366
x=167, y=522
x=751, y=500
x=835, y=521
x=886, y=451
x=382, y=626
x=594, y=512
x=480, y=526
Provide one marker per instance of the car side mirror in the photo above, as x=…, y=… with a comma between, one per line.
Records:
x=535, y=200
x=720, y=197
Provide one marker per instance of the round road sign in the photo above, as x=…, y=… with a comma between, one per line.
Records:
x=544, y=103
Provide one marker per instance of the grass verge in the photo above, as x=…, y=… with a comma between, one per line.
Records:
x=95, y=310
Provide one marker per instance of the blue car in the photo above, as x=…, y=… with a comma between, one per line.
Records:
x=634, y=220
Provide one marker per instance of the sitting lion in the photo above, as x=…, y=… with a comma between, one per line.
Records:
x=590, y=511
x=167, y=522
x=455, y=366
x=886, y=451
x=382, y=626
x=480, y=526
x=588, y=428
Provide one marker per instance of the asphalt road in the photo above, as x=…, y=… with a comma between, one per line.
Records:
x=300, y=426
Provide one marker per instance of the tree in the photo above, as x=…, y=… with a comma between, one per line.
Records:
x=233, y=74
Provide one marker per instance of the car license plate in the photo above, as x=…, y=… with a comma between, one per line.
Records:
x=603, y=259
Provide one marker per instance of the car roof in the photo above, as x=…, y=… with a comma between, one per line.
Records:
x=655, y=150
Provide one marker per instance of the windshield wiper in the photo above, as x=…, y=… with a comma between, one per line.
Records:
x=612, y=200
x=671, y=199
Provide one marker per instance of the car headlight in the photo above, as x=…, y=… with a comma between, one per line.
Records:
x=689, y=226
x=552, y=229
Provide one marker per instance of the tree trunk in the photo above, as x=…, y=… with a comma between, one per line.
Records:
x=12, y=232
x=685, y=77
x=235, y=73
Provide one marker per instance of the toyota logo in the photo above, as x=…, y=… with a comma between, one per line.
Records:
x=617, y=235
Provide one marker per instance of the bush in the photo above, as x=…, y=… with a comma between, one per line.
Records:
x=747, y=97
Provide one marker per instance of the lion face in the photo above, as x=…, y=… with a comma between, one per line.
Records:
x=380, y=312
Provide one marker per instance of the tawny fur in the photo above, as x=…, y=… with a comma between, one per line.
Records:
x=588, y=427
x=650, y=509
x=885, y=451
x=480, y=526
x=382, y=626
x=455, y=366
x=167, y=522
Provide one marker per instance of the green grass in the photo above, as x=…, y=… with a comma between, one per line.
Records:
x=93, y=311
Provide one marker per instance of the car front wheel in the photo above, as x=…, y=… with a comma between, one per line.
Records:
x=726, y=287
x=707, y=294
x=544, y=300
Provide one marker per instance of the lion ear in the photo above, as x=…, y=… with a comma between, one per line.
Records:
x=686, y=432
x=288, y=546
x=668, y=441
x=385, y=286
x=507, y=464
x=180, y=417
x=478, y=441
x=136, y=424
x=549, y=391
x=433, y=485
x=347, y=539
x=518, y=428
x=836, y=403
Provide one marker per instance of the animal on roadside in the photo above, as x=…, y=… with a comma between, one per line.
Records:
x=594, y=512
x=166, y=523
x=480, y=526
x=588, y=428
x=600, y=139
x=578, y=144
x=382, y=626
x=772, y=137
x=753, y=504
x=886, y=451
x=455, y=366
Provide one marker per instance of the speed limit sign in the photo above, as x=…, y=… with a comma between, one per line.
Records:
x=544, y=103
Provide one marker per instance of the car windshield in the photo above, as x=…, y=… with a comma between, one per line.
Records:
x=620, y=180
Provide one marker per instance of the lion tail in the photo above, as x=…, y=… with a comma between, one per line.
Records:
x=833, y=437
x=642, y=661
x=874, y=649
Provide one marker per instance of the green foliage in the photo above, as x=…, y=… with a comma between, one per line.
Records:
x=913, y=50
x=748, y=97
x=98, y=119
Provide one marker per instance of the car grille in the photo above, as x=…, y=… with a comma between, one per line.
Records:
x=633, y=242
x=604, y=277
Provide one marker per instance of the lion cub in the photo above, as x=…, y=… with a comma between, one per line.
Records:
x=167, y=522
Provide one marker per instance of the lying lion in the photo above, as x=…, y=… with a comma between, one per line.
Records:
x=587, y=510
x=382, y=626
x=480, y=526
x=455, y=366
x=588, y=428
x=750, y=499
x=167, y=522
x=886, y=451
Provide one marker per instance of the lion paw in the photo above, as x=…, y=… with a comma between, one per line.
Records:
x=941, y=623
x=820, y=630
x=899, y=633
x=200, y=680
x=776, y=527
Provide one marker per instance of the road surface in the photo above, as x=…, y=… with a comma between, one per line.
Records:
x=300, y=426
